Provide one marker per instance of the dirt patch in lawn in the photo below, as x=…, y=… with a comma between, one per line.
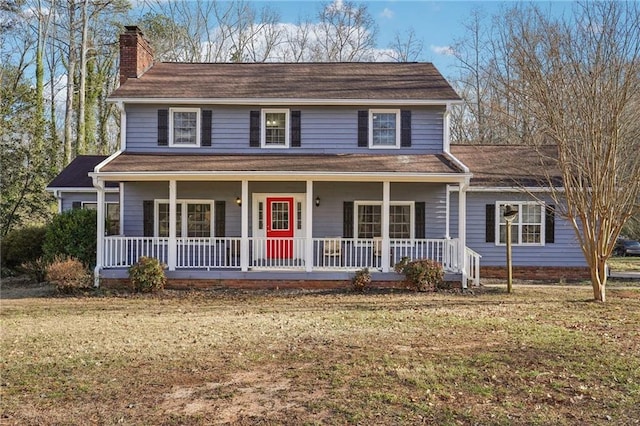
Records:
x=250, y=394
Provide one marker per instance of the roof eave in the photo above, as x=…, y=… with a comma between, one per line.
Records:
x=285, y=101
x=284, y=176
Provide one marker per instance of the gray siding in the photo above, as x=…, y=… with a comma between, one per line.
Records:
x=68, y=198
x=327, y=217
x=565, y=251
x=323, y=130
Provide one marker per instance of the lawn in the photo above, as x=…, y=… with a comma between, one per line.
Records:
x=543, y=355
x=627, y=263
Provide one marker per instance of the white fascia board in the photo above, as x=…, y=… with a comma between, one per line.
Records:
x=105, y=161
x=532, y=189
x=456, y=161
x=286, y=101
x=79, y=189
x=285, y=176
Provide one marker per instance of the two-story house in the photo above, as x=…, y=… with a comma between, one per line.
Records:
x=289, y=172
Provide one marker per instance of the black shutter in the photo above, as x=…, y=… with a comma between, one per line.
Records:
x=363, y=129
x=254, y=129
x=420, y=212
x=490, y=221
x=219, y=218
x=163, y=127
x=347, y=219
x=550, y=224
x=76, y=205
x=205, y=127
x=295, y=128
x=147, y=218
x=405, y=128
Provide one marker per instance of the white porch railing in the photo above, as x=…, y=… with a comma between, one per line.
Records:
x=331, y=253
x=125, y=251
x=209, y=253
x=473, y=265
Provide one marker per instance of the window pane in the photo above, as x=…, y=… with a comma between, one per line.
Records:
x=279, y=216
x=185, y=127
x=400, y=222
x=369, y=221
x=199, y=220
x=275, y=128
x=527, y=225
x=384, y=129
x=113, y=219
x=163, y=220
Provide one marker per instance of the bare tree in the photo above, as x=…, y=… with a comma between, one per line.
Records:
x=345, y=32
x=405, y=47
x=578, y=81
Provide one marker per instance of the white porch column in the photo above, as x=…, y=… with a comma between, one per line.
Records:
x=308, y=232
x=447, y=219
x=462, y=231
x=172, y=254
x=99, y=185
x=244, y=229
x=386, y=246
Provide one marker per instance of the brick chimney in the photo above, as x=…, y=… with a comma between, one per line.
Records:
x=136, y=54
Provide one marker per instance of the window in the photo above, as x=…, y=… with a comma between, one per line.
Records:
x=275, y=128
x=112, y=216
x=384, y=128
x=198, y=216
x=184, y=125
x=527, y=227
x=368, y=220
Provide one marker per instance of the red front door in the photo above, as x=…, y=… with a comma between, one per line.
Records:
x=280, y=227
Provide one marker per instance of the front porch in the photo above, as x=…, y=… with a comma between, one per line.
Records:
x=294, y=258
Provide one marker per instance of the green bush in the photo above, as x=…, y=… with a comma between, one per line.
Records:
x=421, y=275
x=22, y=245
x=361, y=280
x=72, y=234
x=147, y=276
x=68, y=275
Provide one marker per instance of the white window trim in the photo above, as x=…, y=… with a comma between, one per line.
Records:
x=263, y=127
x=412, y=213
x=398, y=130
x=198, y=127
x=518, y=226
x=184, y=203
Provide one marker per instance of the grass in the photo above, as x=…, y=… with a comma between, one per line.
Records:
x=627, y=263
x=543, y=355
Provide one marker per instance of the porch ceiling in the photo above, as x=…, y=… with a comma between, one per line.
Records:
x=287, y=165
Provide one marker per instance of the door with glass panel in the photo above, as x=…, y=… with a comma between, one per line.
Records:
x=280, y=227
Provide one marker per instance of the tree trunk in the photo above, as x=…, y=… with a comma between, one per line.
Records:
x=71, y=70
x=598, y=278
x=82, y=140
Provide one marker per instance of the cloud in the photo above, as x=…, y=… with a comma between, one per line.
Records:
x=442, y=50
x=387, y=13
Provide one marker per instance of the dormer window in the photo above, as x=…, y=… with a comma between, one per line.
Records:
x=275, y=128
x=184, y=126
x=384, y=128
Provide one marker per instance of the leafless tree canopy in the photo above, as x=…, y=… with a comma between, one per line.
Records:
x=573, y=83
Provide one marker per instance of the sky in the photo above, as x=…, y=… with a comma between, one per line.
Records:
x=437, y=23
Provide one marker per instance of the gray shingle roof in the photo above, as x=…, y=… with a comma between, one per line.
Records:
x=343, y=81
x=347, y=163
x=76, y=174
x=508, y=165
